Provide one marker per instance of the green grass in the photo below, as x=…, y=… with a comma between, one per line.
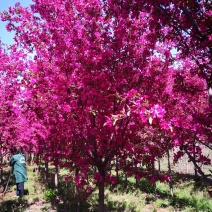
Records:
x=11, y=203
x=185, y=197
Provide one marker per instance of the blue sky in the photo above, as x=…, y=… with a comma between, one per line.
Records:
x=7, y=37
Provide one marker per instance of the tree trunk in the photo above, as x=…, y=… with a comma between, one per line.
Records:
x=1, y=162
x=101, y=197
x=170, y=173
x=159, y=165
x=153, y=170
x=187, y=169
x=136, y=179
x=1, y=170
x=31, y=158
x=198, y=169
x=126, y=181
x=117, y=171
x=47, y=170
x=56, y=177
x=111, y=165
x=1, y=176
x=77, y=193
x=194, y=155
x=38, y=161
x=101, y=185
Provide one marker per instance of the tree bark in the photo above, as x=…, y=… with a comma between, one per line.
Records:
x=1, y=170
x=126, y=180
x=77, y=193
x=31, y=158
x=56, y=177
x=186, y=161
x=101, y=186
x=117, y=170
x=1, y=163
x=101, y=197
x=170, y=173
x=159, y=165
x=192, y=159
x=194, y=155
x=47, y=170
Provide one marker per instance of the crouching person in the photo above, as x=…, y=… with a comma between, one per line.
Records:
x=18, y=163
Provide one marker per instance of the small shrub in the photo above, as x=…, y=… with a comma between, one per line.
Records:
x=50, y=194
x=200, y=203
x=145, y=186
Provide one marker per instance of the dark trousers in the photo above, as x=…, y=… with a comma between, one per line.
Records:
x=20, y=189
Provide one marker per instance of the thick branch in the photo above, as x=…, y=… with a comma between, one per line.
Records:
x=195, y=163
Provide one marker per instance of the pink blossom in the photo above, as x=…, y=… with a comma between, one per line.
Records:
x=157, y=111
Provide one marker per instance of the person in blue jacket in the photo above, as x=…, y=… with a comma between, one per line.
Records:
x=18, y=163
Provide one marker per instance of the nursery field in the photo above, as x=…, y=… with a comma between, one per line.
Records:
x=110, y=101
x=127, y=196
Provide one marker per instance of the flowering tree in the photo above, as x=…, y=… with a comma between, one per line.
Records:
x=18, y=124
x=187, y=23
x=9, y=70
x=104, y=85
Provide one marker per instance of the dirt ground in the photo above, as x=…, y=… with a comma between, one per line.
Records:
x=27, y=204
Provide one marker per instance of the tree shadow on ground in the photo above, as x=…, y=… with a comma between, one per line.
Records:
x=65, y=197
x=153, y=193
x=181, y=203
x=62, y=198
x=185, y=201
x=19, y=205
